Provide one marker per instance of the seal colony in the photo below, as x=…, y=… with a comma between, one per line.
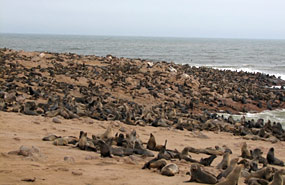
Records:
x=166, y=160
x=34, y=147
x=138, y=92
x=144, y=93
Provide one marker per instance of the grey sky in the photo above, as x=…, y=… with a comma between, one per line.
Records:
x=176, y=18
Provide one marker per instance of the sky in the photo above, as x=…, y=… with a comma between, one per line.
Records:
x=263, y=19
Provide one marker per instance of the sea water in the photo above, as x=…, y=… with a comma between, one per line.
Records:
x=266, y=56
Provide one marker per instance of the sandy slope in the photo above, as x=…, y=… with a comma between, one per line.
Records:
x=50, y=168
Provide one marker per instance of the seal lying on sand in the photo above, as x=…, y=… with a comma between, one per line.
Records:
x=155, y=163
x=170, y=170
x=201, y=176
x=264, y=173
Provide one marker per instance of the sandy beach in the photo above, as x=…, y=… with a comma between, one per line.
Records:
x=177, y=103
x=50, y=167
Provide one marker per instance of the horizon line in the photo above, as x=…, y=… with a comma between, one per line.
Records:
x=141, y=36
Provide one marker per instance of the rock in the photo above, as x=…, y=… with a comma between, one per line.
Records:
x=28, y=151
x=90, y=157
x=56, y=120
x=69, y=159
x=29, y=179
x=76, y=173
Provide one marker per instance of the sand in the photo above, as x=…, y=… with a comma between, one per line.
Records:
x=88, y=167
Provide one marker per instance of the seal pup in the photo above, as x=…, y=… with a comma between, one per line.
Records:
x=207, y=161
x=104, y=149
x=229, y=169
x=245, y=152
x=272, y=159
x=232, y=178
x=225, y=161
x=201, y=176
x=277, y=178
x=170, y=170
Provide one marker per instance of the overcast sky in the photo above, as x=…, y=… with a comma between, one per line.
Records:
x=174, y=18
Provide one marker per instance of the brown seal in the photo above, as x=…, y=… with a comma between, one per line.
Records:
x=170, y=170
x=272, y=159
x=232, y=178
x=245, y=152
x=229, y=169
x=225, y=161
x=257, y=181
x=155, y=163
x=84, y=144
x=201, y=176
x=151, y=144
x=277, y=178
x=207, y=161
x=104, y=148
x=264, y=173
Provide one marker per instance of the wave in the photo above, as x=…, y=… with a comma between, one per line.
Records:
x=273, y=116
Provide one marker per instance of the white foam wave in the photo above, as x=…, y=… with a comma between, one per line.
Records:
x=273, y=116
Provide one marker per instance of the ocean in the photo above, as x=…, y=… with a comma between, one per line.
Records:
x=266, y=56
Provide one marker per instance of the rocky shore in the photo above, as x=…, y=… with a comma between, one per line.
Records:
x=137, y=92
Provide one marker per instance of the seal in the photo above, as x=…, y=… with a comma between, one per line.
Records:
x=272, y=159
x=186, y=156
x=50, y=137
x=201, y=176
x=264, y=173
x=245, y=152
x=229, y=169
x=151, y=144
x=232, y=178
x=107, y=134
x=84, y=144
x=170, y=170
x=207, y=161
x=225, y=161
x=60, y=142
x=277, y=178
x=155, y=163
x=104, y=149
x=257, y=181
